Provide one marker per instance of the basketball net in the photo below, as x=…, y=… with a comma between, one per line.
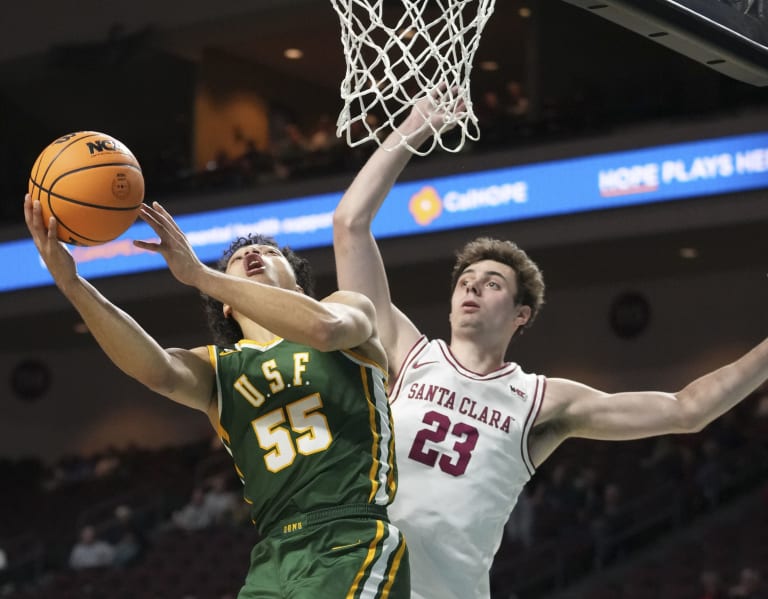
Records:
x=398, y=51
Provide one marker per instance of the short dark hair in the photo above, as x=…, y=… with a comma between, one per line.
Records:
x=225, y=330
x=530, y=281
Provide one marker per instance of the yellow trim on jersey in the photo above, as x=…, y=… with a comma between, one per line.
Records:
x=356, y=357
x=374, y=432
x=393, y=571
x=391, y=482
x=258, y=345
x=223, y=434
x=368, y=558
x=212, y=356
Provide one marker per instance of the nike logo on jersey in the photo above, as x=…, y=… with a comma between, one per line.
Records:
x=519, y=393
x=420, y=364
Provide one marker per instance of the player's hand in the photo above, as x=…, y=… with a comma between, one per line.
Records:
x=56, y=256
x=173, y=245
x=438, y=111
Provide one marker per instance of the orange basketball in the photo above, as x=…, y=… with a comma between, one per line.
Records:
x=91, y=183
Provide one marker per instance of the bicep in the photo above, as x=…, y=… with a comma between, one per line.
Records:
x=592, y=414
x=192, y=380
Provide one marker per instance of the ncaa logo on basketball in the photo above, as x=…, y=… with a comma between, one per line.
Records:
x=104, y=145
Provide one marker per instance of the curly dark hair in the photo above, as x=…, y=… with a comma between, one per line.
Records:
x=530, y=281
x=225, y=330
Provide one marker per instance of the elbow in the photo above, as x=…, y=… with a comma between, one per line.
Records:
x=331, y=334
x=347, y=223
x=690, y=419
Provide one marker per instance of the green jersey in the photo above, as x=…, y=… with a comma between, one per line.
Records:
x=306, y=429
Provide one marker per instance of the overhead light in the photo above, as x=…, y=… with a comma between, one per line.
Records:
x=489, y=65
x=293, y=54
x=689, y=253
x=524, y=12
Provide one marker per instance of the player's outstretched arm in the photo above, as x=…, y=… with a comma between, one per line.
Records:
x=182, y=375
x=359, y=264
x=585, y=412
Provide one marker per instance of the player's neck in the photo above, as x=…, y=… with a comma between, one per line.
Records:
x=256, y=332
x=476, y=356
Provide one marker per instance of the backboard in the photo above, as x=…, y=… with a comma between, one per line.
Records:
x=729, y=36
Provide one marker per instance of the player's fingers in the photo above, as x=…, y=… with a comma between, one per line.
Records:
x=168, y=219
x=27, y=210
x=150, y=246
x=150, y=217
x=36, y=218
x=53, y=228
x=160, y=222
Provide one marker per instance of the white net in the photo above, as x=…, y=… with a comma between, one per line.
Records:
x=398, y=51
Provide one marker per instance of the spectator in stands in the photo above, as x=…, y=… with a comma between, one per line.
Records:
x=749, y=586
x=5, y=586
x=709, y=474
x=219, y=501
x=131, y=542
x=322, y=137
x=589, y=489
x=290, y=150
x=606, y=528
x=492, y=118
x=711, y=585
x=194, y=515
x=519, y=527
x=90, y=551
x=516, y=104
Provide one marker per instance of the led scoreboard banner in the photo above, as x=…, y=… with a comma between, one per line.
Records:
x=604, y=181
x=730, y=36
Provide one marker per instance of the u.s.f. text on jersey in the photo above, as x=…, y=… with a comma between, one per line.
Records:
x=448, y=399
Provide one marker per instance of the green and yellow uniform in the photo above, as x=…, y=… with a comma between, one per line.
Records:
x=310, y=433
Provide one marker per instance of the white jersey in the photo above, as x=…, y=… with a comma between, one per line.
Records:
x=462, y=456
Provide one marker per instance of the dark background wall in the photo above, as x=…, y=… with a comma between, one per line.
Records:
x=610, y=90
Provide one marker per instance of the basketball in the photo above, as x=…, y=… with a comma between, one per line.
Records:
x=91, y=183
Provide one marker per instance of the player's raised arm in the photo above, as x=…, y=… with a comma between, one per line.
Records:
x=359, y=265
x=343, y=320
x=182, y=375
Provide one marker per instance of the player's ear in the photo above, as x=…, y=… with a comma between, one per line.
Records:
x=299, y=288
x=523, y=315
x=227, y=310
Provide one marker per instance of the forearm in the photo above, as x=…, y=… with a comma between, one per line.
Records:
x=374, y=181
x=286, y=313
x=715, y=393
x=359, y=265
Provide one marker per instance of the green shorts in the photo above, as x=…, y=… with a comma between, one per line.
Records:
x=349, y=552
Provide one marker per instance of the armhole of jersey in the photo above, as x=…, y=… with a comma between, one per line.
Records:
x=533, y=414
x=214, y=358
x=359, y=358
x=421, y=343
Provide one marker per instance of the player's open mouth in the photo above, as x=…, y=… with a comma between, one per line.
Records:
x=470, y=305
x=253, y=264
